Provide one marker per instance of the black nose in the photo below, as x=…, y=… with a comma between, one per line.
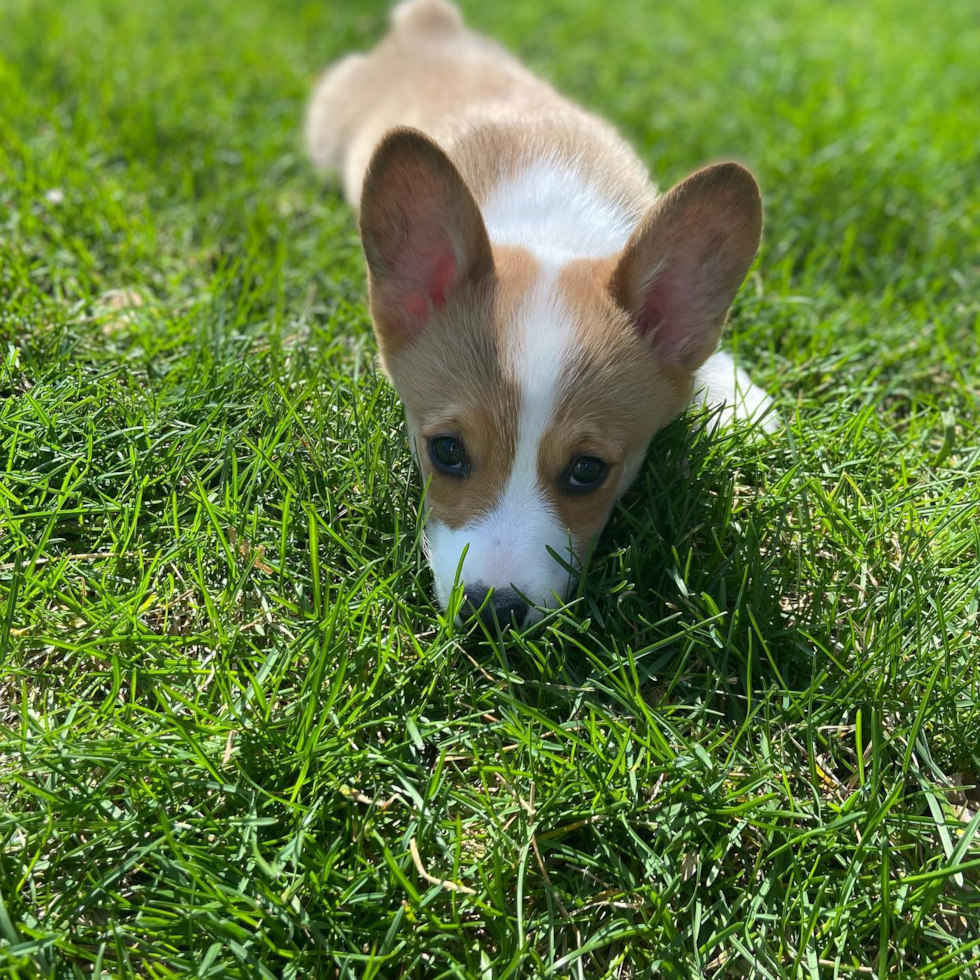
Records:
x=504, y=604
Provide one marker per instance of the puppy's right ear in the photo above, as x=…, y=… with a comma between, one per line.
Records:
x=422, y=232
x=683, y=266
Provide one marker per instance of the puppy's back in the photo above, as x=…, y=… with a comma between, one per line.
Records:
x=429, y=72
x=488, y=112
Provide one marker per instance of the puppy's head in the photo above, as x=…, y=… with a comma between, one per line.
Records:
x=532, y=387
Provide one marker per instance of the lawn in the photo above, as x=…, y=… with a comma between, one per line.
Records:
x=237, y=738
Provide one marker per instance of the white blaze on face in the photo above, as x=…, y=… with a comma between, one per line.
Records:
x=551, y=211
x=508, y=546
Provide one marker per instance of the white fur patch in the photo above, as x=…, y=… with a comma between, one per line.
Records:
x=549, y=209
x=508, y=547
x=720, y=383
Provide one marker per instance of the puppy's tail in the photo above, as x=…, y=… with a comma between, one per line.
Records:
x=426, y=16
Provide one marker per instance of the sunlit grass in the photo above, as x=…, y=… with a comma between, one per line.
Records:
x=236, y=737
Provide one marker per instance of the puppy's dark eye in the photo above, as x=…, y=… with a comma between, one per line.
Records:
x=447, y=454
x=585, y=474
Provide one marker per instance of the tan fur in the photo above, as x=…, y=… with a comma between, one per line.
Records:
x=614, y=398
x=454, y=381
x=711, y=207
x=485, y=109
x=385, y=227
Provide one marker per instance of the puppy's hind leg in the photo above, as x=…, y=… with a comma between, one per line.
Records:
x=333, y=113
x=347, y=114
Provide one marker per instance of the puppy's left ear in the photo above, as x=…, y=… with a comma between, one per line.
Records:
x=682, y=268
x=423, y=235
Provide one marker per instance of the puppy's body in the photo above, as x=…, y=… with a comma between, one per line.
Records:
x=536, y=303
x=490, y=115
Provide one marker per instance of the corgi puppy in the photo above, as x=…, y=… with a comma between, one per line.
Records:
x=540, y=309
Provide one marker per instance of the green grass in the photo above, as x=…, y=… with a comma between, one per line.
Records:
x=230, y=715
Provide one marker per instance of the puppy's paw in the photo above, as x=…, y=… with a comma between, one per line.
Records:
x=725, y=389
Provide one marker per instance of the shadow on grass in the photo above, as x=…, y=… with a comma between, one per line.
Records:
x=690, y=587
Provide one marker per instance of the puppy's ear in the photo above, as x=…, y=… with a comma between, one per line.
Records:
x=422, y=231
x=682, y=268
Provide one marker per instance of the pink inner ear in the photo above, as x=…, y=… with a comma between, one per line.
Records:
x=673, y=314
x=416, y=308
x=652, y=317
x=420, y=286
x=441, y=278
x=667, y=316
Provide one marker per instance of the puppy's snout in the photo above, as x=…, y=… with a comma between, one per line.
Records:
x=503, y=605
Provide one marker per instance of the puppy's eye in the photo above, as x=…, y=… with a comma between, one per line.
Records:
x=447, y=455
x=585, y=474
